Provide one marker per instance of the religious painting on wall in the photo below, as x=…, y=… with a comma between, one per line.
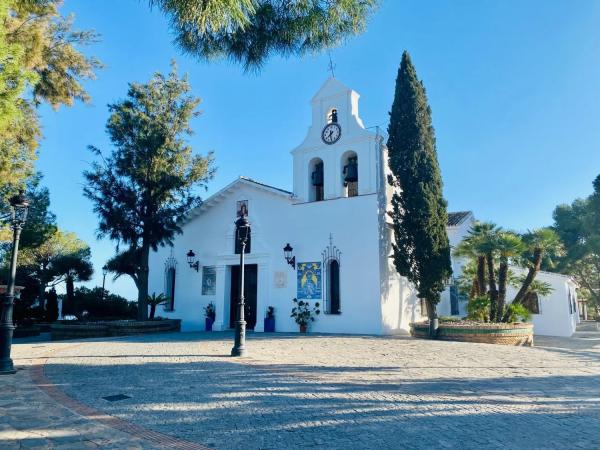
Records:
x=209, y=280
x=309, y=280
x=242, y=208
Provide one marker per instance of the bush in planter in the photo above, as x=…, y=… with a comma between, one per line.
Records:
x=270, y=320
x=210, y=313
x=517, y=313
x=303, y=314
x=478, y=309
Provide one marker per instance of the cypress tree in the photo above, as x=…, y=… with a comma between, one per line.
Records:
x=421, y=247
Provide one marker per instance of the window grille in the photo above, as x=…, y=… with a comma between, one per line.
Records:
x=331, y=271
x=170, y=276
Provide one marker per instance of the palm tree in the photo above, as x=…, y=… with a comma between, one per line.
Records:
x=155, y=300
x=480, y=244
x=540, y=245
x=71, y=268
x=509, y=246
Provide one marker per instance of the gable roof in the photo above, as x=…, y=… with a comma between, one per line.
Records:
x=240, y=181
x=331, y=87
x=458, y=217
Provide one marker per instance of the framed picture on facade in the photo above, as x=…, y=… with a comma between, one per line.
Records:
x=209, y=280
x=242, y=208
x=309, y=280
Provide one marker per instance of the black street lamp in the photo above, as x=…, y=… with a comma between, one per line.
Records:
x=104, y=273
x=19, y=205
x=192, y=261
x=242, y=231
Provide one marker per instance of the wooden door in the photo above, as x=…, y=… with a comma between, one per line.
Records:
x=250, y=294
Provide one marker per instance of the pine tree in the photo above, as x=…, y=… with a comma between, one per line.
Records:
x=147, y=184
x=251, y=31
x=421, y=247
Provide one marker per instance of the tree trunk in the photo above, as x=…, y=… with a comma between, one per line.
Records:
x=70, y=297
x=502, y=280
x=493, y=289
x=143, y=283
x=152, y=311
x=537, y=263
x=433, y=319
x=481, y=275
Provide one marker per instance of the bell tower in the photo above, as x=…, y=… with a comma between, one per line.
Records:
x=338, y=157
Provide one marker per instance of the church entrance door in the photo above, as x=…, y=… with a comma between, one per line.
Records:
x=250, y=289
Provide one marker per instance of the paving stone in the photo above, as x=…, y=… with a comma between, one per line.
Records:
x=315, y=391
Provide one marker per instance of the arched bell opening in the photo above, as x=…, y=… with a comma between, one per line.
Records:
x=332, y=116
x=316, y=180
x=350, y=174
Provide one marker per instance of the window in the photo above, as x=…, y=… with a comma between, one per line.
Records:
x=333, y=287
x=331, y=266
x=454, y=297
x=317, y=180
x=170, y=273
x=532, y=303
x=350, y=174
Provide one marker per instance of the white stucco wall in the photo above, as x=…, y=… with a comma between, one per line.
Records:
x=275, y=221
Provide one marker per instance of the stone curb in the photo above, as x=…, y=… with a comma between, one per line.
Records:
x=43, y=383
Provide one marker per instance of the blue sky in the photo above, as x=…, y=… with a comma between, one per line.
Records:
x=514, y=87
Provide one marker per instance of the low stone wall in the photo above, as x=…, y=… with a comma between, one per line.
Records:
x=21, y=332
x=62, y=331
x=487, y=333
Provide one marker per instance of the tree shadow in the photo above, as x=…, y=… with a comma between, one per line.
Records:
x=229, y=404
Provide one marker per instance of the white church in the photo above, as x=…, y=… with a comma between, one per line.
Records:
x=339, y=172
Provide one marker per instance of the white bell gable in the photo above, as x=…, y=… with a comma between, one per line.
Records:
x=355, y=140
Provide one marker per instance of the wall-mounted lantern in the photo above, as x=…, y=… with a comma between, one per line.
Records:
x=192, y=261
x=287, y=252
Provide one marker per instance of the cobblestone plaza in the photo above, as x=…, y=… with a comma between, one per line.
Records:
x=317, y=391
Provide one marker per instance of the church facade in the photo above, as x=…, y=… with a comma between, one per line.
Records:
x=334, y=221
x=337, y=242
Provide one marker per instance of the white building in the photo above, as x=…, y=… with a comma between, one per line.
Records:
x=555, y=314
x=337, y=225
x=334, y=220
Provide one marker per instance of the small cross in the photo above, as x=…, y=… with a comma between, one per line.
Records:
x=331, y=66
x=330, y=239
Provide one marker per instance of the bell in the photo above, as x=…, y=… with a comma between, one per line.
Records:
x=351, y=170
x=317, y=175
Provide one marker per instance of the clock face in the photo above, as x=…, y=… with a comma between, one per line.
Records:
x=331, y=133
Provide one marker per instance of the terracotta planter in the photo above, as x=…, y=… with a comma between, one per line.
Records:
x=487, y=333
x=303, y=328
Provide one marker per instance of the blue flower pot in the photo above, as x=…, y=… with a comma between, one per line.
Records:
x=209, y=323
x=269, y=324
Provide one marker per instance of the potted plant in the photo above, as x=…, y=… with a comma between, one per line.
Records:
x=210, y=313
x=270, y=320
x=303, y=314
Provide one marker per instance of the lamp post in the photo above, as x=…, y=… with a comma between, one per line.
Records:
x=104, y=273
x=242, y=230
x=19, y=205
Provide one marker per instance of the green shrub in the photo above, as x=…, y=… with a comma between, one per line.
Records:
x=95, y=307
x=518, y=313
x=449, y=319
x=478, y=309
